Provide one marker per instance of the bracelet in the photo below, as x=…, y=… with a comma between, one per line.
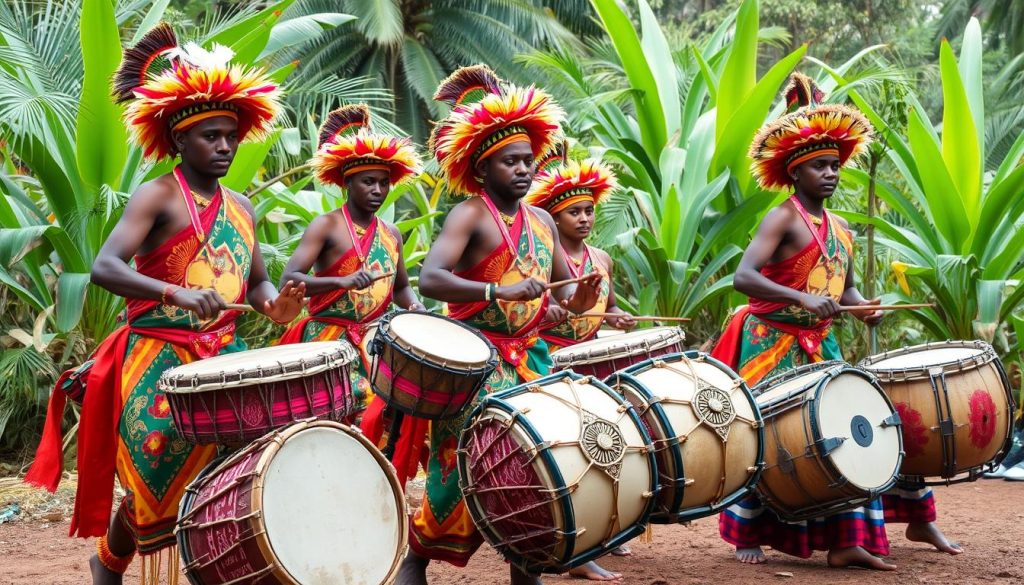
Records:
x=167, y=289
x=487, y=292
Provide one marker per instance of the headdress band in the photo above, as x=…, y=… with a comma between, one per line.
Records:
x=188, y=117
x=499, y=140
x=805, y=155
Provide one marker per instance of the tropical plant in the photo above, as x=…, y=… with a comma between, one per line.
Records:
x=963, y=244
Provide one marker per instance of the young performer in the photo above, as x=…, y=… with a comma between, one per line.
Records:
x=490, y=264
x=358, y=257
x=194, y=247
x=798, y=270
x=570, y=193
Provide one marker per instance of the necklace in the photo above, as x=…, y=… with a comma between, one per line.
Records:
x=200, y=200
x=508, y=219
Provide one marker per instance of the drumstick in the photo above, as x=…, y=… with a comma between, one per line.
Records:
x=561, y=283
x=635, y=318
x=850, y=309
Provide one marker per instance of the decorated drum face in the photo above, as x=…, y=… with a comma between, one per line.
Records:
x=706, y=430
x=832, y=440
x=603, y=356
x=314, y=503
x=556, y=472
x=427, y=365
x=234, y=398
x=956, y=406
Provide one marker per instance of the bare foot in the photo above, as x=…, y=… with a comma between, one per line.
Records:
x=622, y=551
x=593, y=572
x=413, y=570
x=856, y=556
x=929, y=533
x=518, y=577
x=102, y=575
x=751, y=556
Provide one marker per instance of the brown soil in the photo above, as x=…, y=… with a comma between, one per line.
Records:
x=985, y=517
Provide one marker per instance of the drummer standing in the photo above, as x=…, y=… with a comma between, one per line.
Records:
x=798, y=271
x=490, y=263
x=195, y=249
x=570, y=192
x=358, y=256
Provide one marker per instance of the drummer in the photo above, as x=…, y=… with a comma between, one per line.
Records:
x=570, y=191
x=358, y=258
x=194, y=250
x=490, y=264
x=798, y=270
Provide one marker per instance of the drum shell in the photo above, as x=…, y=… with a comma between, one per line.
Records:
x=222, y=522
x=526, y=469
x=601, y=367
x=700, y=471
x=949, y=433
x=245, y=413
x=800, y=481
x=416, y=386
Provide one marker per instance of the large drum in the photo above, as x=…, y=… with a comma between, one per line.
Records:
x=313, y=503
x=557, y=472
x=832, y=440
x=706, y=429
x=605, y=355
x=234, y=398
x=956, y=406
x=427, y=365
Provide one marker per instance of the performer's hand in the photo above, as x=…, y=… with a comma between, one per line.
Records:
x=358, y=280
x=288, y=304
x=623, y=321
x=207, y=303
x=555, y=314
x=586, y=294
x=870, y=318
x=415, y=307
x=525, y=290
x=823, y=307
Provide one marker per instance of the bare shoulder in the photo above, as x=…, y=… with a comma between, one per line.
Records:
x=468, y=212
x=159, y=190
x=391, y=228
x=241, y=200
x=602, y=256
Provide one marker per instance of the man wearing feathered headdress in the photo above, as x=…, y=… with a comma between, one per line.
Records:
x=194, y=248
x=358, y=256
x=490, y=263
x=798, y=271
x=570, y=191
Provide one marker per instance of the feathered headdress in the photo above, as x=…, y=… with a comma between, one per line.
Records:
x=171, y=88
x=810, y=129
x=486, y=116
x=347, y=146
x=575, y=181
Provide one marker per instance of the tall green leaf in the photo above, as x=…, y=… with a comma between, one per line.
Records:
x=960, y=148
x=944, y=201
x=740, y=71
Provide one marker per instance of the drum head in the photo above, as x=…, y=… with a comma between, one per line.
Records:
x=769, y=393
x=852, y=408
x=440, y=339
x=627, y=344
x=923, y=358
x=333, y=511
x=280, y=362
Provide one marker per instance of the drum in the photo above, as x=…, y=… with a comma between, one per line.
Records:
x=313, y=503
x=234, y=398
x=705, y=427
x=832, y=440
x=427, y=365
x=605, y=355
x=556, y=472
x=956, y=405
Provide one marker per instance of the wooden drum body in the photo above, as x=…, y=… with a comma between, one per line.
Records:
x=832, y=440
x=556, y=472
x=427, y=365
x=956, y=406
x=235, y=398
x=706, y=429
x=606, y=355
x=313, y=503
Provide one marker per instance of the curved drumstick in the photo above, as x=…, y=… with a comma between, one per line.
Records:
x=635, y=317
x=561, y=283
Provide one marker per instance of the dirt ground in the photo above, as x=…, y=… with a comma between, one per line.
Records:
x=985, y=517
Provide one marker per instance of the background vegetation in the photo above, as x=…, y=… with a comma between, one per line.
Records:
x=669, y=91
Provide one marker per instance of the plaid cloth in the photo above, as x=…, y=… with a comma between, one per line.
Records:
x=909, y=504
x=747, y=524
